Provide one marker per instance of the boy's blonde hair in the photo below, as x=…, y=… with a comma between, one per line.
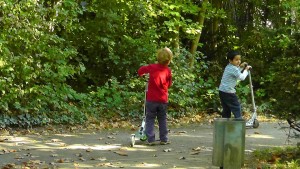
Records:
x=164, y=56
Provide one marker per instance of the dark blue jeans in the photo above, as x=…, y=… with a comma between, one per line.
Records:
x=230, y=103
x=156, y=110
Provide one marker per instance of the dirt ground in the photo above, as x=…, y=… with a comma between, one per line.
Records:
x=191, y=147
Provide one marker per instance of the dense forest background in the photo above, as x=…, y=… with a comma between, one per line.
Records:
x=71, y=61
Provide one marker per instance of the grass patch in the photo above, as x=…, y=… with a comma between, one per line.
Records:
x=278, y=157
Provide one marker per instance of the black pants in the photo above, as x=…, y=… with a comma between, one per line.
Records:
x=230, y=103
x=156, y=110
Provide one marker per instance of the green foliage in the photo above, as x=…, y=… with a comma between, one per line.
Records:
x=24, y=120
x=192, y=90
x=276, y=70
x=116, y=100
x=278, y=157
x=35, y=60
x=284, y=86
x=115, y=39
x=66, y=61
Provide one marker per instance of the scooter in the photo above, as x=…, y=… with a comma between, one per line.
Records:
x=140, y=134
x=252, y=122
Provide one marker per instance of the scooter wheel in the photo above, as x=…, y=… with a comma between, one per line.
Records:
x=132, y=139
x=255, y=123
x=143, y=138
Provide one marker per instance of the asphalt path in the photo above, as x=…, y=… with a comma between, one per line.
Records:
x=191, y=147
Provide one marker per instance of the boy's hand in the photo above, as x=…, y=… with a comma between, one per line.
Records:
x=145, y=77
x=243, y=64
x=248, y=67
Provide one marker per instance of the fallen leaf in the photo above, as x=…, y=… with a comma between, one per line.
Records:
x=12, y=151
x=79, y=155
x=168, y=150
x=5, y=151
x=4, y=132
x=197, y=149
x=55, y=140
x=50, y=128
x=19, y=157
x=195, y=153
x=63, y=144
x=35, y=162
x=105, y=164
x=121, y=153
x=28, y=154
x=82, y=159
x=111, y=137
x=102, y=159
x=8, y=166
x=63, y=160
x=274, y=158
x=115, y=125
x=19, y=143
x=182, y=158
x=91, y=126
x=2, y=140
x=52, y=163
x=133, y=128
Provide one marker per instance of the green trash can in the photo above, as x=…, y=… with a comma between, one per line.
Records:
x=229, y=143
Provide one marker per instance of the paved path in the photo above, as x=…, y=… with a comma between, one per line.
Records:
x=191, y=148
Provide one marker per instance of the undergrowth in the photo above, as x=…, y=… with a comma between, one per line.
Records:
x=278, y=157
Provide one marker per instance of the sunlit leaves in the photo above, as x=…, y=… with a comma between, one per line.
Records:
x=35, y=54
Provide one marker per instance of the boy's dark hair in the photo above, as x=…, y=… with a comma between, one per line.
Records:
x=232, y=54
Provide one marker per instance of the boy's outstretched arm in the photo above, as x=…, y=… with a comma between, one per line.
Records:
x=244, y=74
x=143, y=70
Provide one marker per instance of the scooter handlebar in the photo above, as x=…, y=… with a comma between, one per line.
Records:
x=245, y=66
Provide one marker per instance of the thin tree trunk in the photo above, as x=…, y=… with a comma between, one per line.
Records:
x=215, y=24
x=176, y=42
x=195, y=42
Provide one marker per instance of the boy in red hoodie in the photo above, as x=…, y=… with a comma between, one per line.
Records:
x=160, y=79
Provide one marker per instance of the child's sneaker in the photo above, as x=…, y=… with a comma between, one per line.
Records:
x=165, y=142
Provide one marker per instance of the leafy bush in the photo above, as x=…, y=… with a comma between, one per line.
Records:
x=284, y=86
x=35, y=62
x=66, y=61
x=192, y=89
x=23, y=120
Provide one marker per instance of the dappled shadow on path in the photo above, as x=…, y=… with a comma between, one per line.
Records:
x=191, y=147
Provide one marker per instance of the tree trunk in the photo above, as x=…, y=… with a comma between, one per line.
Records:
x=215, y=24
x=195, y=42
x=176, y=42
